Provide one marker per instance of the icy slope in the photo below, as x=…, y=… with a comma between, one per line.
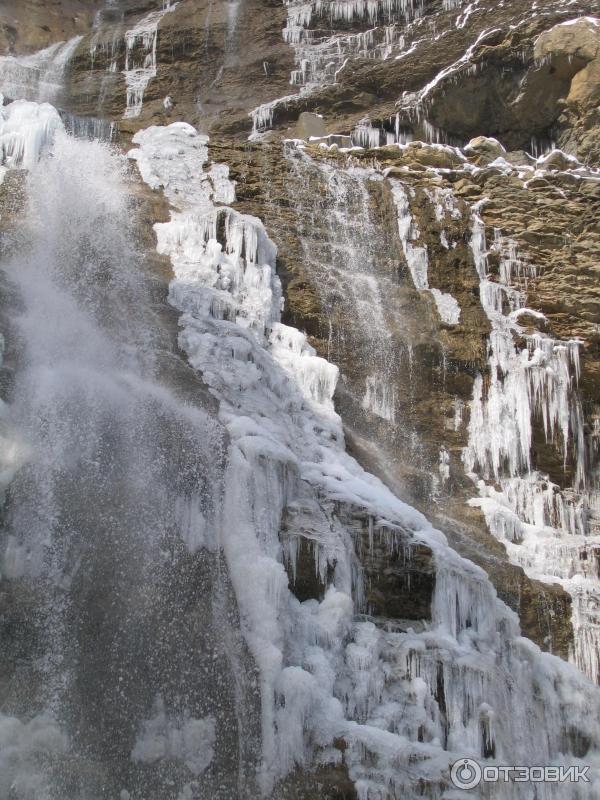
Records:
x=325, y=674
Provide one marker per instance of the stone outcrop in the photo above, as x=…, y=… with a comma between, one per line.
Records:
x=447, y=356
x=28, y=25
x=573, y=49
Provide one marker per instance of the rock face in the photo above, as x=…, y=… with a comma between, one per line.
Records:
x=432, y=363
x=430, y=178
x=572, y=49
x=28, y=26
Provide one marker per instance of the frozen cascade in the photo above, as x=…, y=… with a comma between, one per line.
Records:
x=545, y=528
x=399, y=129
x=319, y=54
x=40, y=78
x=114, y=470
x=26, y=129
x=405, y=703
x=140, y=57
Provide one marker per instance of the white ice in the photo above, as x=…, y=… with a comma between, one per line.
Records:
x=325, y=674
x=26, y=129
x=140, y=58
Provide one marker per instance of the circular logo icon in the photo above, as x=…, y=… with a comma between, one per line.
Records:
x=466, y=773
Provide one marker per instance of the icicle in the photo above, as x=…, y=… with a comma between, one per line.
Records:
x=403, y=701
x=417, y=258
x=140, y=43
x=546, y=528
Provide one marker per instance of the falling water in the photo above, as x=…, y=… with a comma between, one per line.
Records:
x=120, y=645
x=159, y=643
x=39, y=76
x=373, y=317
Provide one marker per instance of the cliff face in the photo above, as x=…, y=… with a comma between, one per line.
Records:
x=435, y=72
x=506, y=72
x=26, y=27
x=429, y=174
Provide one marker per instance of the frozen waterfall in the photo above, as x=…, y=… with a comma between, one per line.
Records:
x=405, y=703
x=219, y=577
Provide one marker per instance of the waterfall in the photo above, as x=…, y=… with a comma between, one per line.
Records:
x=39, y=76
x=350, y=273
x=129, y=651
x=203, y=594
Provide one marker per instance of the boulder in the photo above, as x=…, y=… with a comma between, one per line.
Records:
x=573, y=39
x=585, y=86
x=486, y=146
x=310, y=124
x=557, y=161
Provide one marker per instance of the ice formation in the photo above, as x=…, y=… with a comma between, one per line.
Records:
x=263, y=116
x=551, y=532
x=416, y=255
x=320, y=56
x=405, y=703
x=406, y=700
x=140, y=58
x=26, y=129
x=546, y=529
